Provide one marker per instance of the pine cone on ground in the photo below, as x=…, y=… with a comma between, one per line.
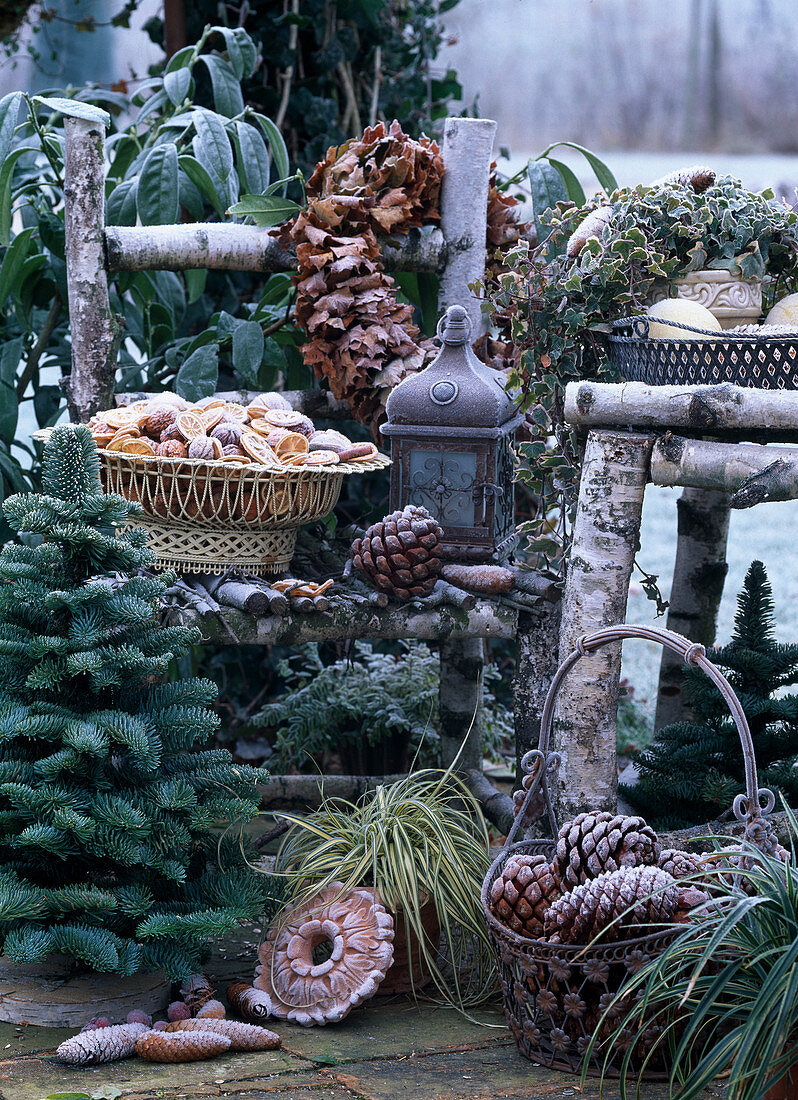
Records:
x=594, y=843
x=102, y=1044
x=398, y=554
x=632, y=897
x=523, y=893
x=241, y=1036
x=179, y=1046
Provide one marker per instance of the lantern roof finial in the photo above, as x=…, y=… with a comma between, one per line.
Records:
x=456, y=392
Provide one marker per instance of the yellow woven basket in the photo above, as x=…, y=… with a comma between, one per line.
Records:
x=213, y=516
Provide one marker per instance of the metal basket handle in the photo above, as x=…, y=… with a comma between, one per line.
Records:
x=747, y=807
x=639, y=326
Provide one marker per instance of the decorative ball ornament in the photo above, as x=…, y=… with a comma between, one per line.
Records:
x=684, y=312
x=784, y=312
x=325, y=956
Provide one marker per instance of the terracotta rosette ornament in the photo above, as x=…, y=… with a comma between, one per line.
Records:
x=306, y=987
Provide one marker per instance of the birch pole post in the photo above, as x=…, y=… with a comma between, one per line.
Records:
x=605, y=539
x=698, y=575
x=94, y=331
x=467, y=156
x=535, y=665
x=460, y=702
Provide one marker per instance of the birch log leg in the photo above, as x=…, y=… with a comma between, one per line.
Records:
x=467, y=155
x=605, y=539
x=535, y=665
x=698, y=576
x=95, y=332
x=460, y=701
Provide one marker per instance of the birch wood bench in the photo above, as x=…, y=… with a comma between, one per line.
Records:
x=696, y=437
x=231, y=614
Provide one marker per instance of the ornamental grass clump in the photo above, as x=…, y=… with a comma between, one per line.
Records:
x=722, y=997
x=423, y=837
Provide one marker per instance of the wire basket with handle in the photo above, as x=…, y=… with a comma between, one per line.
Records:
x=765, y=359
x=555, y=994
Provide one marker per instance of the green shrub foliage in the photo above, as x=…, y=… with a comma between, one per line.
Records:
x=107, y=808
x=693, y=770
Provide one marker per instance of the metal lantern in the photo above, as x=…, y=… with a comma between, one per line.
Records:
x=451, y=427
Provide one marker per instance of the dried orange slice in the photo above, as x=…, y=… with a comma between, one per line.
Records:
x=208, y=403
x=119, y=418
x=267, y=430
x=233, y=411
x=292, y=458
x=212, y=415
x=116, y=441
x=283, y=418
x=291, y=442
x=258, y=449
x=321, y=458
x=190, y=425
x=136, y=447
x=241, y=460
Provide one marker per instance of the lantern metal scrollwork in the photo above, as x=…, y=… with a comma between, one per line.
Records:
x=451, y=428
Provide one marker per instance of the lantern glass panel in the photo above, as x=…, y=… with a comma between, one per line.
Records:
x=505, y=510
x=443, y=481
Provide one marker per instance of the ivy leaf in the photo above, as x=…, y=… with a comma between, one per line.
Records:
x=199, y=375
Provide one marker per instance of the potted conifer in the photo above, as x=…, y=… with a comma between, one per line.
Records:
x=108, y=856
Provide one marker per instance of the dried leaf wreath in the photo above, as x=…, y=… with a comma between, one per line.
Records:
x=360, y=338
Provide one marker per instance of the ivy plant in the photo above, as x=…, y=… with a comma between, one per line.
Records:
x=173, y=155
x=549, y=305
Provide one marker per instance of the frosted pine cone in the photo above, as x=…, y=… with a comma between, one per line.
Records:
x=632, y=898
x=103, y=1044
x=195, y=1046
x=698, y=178
x=679, y=864
x=399, y=554
x=211, y=1010
x=241, y=1036
x=594, y=843
x=522, y=894
x=251, y=1003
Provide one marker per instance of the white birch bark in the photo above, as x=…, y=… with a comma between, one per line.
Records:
x=711, y=409
x=535, y=665
x=460, y=702
x=467, y=155
x=606, y=532
x=752, y=474
x=95, y=332
x=227, y=247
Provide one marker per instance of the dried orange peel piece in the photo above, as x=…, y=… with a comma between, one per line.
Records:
x=211, y=415
x=291, y=443
x=321, y=458
x=135, y=446
x=233, y=411
x=258, y=449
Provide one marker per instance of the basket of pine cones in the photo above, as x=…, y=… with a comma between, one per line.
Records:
x=571, y=918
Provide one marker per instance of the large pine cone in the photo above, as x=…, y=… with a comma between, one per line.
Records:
x=399, y=554
x=522, y=894
x=636, y=895
x=679, y=864
x=594, y=843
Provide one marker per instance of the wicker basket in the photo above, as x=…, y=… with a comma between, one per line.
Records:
x=555, y=994
x=214, y=516
x=764, y=362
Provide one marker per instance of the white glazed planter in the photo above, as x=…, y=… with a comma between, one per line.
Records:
x=50, y=994
x=732, y=300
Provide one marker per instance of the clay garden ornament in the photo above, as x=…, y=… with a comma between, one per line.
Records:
x=325, y=956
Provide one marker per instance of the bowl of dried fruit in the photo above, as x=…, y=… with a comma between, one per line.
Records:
x=224, y=485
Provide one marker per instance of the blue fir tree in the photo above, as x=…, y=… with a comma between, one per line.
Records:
x=693, y=771
x=109, y=813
